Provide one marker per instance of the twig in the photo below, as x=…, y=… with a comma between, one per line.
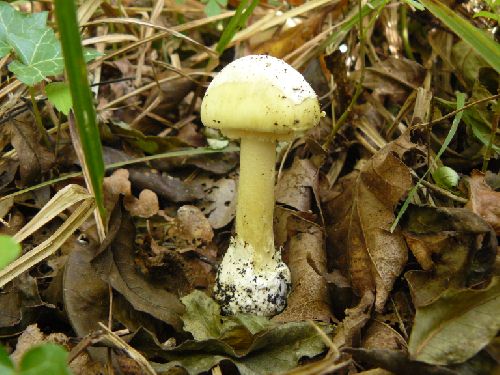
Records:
x=440, y=190
x=453, y=113
x=131, y=352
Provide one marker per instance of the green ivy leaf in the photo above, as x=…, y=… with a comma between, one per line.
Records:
x=46, y=359
x=214, y=7
x=6, y=365
x=40, y=54
x=9, y=251
x=35, y=45
x=59, y=95
x=202, y=316
x=253, y=343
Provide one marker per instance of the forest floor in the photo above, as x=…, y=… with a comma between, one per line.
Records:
x=387, y=212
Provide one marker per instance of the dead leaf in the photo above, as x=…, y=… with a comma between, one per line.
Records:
x=219, y=201
x=166, y=186
x=220, y=163
x=115, y=264
x=309, y=298
x=348, y=332
x=483, y=200
x=359, y=214
x=19, y=300
x=289, y=40
x=85, y=295
x=296, y=185
x=8, y=169
x=455, y=248
x=379, y=335
x=394, y=77
x=34, y=159
x=396, y=361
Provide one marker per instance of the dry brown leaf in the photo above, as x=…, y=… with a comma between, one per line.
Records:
x=379, y=335
x=34, y=159
x=360, y=212
x=394, y=77
x=455, y=248
x=348, y=332
x=297, y=185
x=289, y=40
x=219, y=203
x=309, y=297
x=8, y=169
x=168, y=187
x=484, y=201
x=32, y=336
x=193, y=225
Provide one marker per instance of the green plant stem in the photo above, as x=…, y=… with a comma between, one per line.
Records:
x=38, y=118
x=494, y=127
x=85, y=115
x=404, y=30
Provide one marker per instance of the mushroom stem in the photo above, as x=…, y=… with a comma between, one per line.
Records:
x=254, y=213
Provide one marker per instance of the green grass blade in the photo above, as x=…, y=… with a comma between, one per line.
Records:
x=84, y=110
x=446, y=143
x=237, y=22
x=476, y=38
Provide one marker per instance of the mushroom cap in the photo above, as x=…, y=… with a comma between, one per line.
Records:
x=260, y=95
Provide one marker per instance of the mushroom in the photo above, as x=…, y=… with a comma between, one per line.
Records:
x=259, y=99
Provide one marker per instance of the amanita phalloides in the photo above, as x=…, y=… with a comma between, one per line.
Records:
x=260, y=100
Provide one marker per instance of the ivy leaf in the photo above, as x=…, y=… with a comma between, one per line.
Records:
x=6, y=365
x=202, y=316
x=40, y=54
x=46, y=359
x=253, y=343
x=35, y=45
x=9, y=250
x=214, y=7
x=5, y=48
x=59, y=95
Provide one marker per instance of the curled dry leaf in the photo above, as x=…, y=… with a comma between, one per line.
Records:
x=309, y=297
x=32, y=336
x=34, y=159
x=167, y=187
x=395, y=361
x=8, y=169
x=348, y=332
x=484, y=201
x=394, y=77
x=360, y=211
x=297, y=185
x=19, y=300
x=219, y=201
x=455, y=248
x=115, y=264
x=379, y=335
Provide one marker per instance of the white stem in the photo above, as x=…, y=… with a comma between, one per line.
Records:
x=254, y=213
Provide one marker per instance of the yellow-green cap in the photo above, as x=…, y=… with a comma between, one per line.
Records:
x=260, y=95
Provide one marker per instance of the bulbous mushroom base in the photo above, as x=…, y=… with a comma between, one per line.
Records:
x=240, y=288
